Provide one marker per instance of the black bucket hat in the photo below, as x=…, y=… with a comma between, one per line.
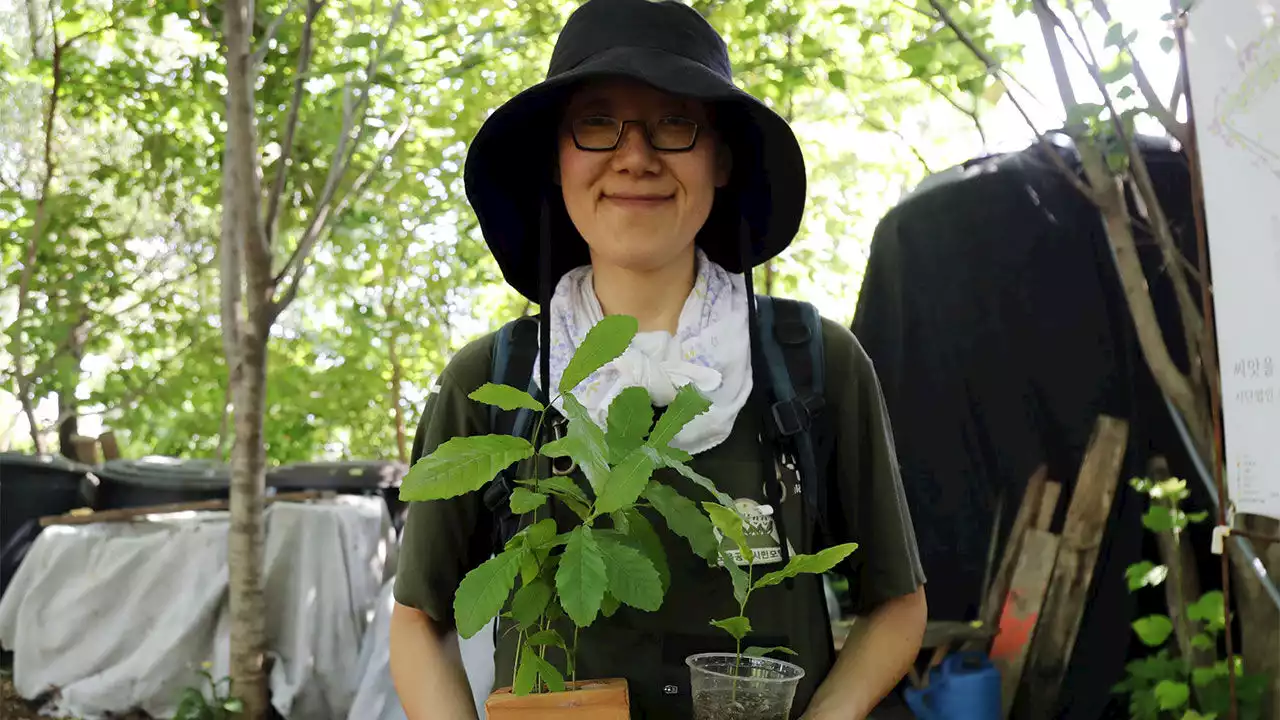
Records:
x=668, y=45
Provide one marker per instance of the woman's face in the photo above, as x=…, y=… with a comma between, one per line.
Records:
x=638, y=208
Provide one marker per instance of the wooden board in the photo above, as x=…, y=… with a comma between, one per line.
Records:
x=1055, y=636
x=128, y=514
x=1021, y=610
x=1027, y=512
x=1048, y=506
x=110, y=448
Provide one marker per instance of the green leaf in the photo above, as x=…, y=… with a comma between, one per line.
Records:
x=763, y=651
x=358, y=40
x=646, y=540
x=530, y=602
x=527, y=674
x=462, y=465
x=505, y=397
x=1203, y=642
x=585, y=443
x=1114, y=36
x=741, y=581
x=483, y=591
x=670, y=460
x=604, y=342
x=1167, y=44
x=687, y=405
x=627, y=481
x=837, y=79
x=1125, y=93
x=523, y=501
x=1172, y=694
x=684, y=519
x=1203, y=676
x=566, y=490
x=1197, y=517
x=544, y=638
x=630, y=417
x=738, y=626
x=1208, y=610
x=633, y=580
x=582, y=578
x=919, y=57
x=729, y=523
x=817, y=563
x=1145, y=574
x=609, y=605
x=1153, y=630
x=1158, y=519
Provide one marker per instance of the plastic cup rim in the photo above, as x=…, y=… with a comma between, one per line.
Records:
x=729, y=656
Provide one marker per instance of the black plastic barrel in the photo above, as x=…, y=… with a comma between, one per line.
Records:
x=352, y=477
x=159, y=480
x=31, y=487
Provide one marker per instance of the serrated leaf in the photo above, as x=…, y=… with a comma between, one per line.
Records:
x=603, y=344
x=729, y=523
x=1153, y=630
x=523, y=501
x=641, y=532
x=483, y=591
x=530, y=602
x=669, y=459
x=627, y=481
x=687, y=405
x=630, y=417
x=741, y=581
x=816, y=563
x=544, y=638
x=609, y=605
x=581, y=578
x=684, y=519
x=738, y=626
x=1172, y=694
x=462, y=465
x=584, y=442
x=527, y=674
x=757, y=652
x=621, y=522
x=633, y=580
x=505, y=397
x=566, y=490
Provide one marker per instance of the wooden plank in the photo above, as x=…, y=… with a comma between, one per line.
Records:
x=1055, y=636
x=989, y=612
x=86, y=449
x=110, y=448
x=1048, y=506
x=1021, y=611
x=127, y=514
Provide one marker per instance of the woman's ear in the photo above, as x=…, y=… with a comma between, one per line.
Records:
x=724, y=163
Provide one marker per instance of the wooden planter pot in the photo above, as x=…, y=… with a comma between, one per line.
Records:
x=585, y=700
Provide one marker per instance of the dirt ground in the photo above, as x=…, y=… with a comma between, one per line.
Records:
x=13, y=707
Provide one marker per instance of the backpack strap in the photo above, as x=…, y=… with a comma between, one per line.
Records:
x=515, y=351
x=791, y=341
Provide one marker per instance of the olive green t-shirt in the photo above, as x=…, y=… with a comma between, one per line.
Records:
x=443, y=540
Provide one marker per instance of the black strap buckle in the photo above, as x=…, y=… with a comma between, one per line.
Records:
x=795, y=416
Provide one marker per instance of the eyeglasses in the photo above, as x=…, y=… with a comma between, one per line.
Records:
x=600, y=133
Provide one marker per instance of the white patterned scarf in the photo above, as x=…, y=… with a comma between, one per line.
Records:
x=711, y=349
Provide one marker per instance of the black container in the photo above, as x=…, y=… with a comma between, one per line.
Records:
x=352, y=477
x=159, y=480
x=31, y=487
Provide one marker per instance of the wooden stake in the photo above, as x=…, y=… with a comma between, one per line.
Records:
x=1048, y=505
x=1027, y=512
x=1021, y=611
x=1055, y=636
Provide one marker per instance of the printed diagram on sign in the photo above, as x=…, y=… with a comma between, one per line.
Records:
x=1246, y=109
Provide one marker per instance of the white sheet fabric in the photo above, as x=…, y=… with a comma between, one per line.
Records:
x=117, y=616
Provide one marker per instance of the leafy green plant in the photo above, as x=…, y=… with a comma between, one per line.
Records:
x=611, y=555
x=1165, y=684
x=729, y=521
x=220, y=705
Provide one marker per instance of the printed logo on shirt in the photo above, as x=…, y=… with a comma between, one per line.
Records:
x=762, y=536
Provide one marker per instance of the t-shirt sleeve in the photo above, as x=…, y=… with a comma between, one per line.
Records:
x=870, y=506
x=443, y=540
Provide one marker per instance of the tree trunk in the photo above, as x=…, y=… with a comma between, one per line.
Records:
x=247, y=298
x=396, y=377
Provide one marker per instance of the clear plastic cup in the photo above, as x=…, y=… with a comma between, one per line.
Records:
x=726, y=688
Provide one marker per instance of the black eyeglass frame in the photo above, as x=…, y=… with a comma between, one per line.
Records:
x=644, y=125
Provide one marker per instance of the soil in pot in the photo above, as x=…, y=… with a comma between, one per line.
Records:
x=585, y=700
x=725, y=688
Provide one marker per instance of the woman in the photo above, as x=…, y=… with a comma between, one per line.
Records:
x=637, y=179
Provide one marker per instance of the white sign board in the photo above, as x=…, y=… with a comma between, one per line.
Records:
x=1233, y=52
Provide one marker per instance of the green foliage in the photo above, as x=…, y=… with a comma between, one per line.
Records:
x=220, y=705
x=1163, y=685
x=763, y=651
x=588, y=569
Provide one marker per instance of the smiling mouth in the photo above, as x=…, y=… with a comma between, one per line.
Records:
x=639, y=201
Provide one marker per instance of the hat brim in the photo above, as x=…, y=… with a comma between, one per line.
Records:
x=508, y=170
